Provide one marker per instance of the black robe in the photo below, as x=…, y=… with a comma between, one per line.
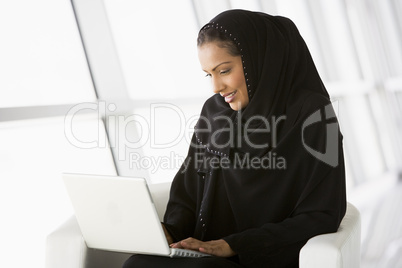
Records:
x=269, y=177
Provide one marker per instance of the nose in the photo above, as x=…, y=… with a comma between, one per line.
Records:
x=217, y=85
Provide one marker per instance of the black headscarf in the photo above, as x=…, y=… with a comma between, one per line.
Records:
x=266, y=211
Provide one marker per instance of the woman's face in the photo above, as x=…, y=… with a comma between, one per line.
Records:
x=226, y=73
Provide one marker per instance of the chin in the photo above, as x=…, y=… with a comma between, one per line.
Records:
x=234, y=106
x=237, y=105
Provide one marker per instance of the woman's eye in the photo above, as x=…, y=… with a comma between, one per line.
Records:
x=225, y=71
x=208, y=75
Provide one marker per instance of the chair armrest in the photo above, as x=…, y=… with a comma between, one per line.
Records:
x=335, y=250
x=160, y=195
x=65, y=247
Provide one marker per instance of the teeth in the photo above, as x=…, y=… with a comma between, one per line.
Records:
x=231, y=94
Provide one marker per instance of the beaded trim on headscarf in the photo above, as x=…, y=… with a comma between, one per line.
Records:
x=206, y=147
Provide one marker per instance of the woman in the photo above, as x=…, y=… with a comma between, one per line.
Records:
x=265, y=170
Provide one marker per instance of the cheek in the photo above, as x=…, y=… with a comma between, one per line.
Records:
x=241, y=85
x=238, y=80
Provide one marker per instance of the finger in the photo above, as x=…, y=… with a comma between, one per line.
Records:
x=191, y=243
x=176, y=245
x=187, y=243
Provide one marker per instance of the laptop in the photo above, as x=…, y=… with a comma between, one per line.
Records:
x=118, y=214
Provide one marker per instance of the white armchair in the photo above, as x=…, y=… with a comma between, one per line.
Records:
x=335, y=250
x=66, y=248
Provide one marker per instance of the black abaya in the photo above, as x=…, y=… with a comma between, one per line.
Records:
x=266, y=211
x=146, y=261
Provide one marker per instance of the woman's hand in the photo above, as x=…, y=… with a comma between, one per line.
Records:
x=219, y=248
x=169, y=238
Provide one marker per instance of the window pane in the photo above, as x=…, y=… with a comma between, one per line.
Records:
x=42, y=58
x=248, y=5
x=157, y=48
x=365, y=140
x=33, y=200
x=338, y=43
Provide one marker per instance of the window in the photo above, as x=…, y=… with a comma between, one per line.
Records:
x=157, y=48
x=42, y=60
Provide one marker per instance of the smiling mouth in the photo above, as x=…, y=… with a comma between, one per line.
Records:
x=229, y=97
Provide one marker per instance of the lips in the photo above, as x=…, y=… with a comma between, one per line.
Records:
x=229, y=96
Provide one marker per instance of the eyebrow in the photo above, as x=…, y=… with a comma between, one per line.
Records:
x=219, y=65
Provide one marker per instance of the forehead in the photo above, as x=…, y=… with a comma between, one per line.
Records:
x=211, y=54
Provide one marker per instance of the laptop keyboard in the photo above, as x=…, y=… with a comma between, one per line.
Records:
x=186, y=253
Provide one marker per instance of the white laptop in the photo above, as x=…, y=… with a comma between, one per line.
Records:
x=118, y=214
